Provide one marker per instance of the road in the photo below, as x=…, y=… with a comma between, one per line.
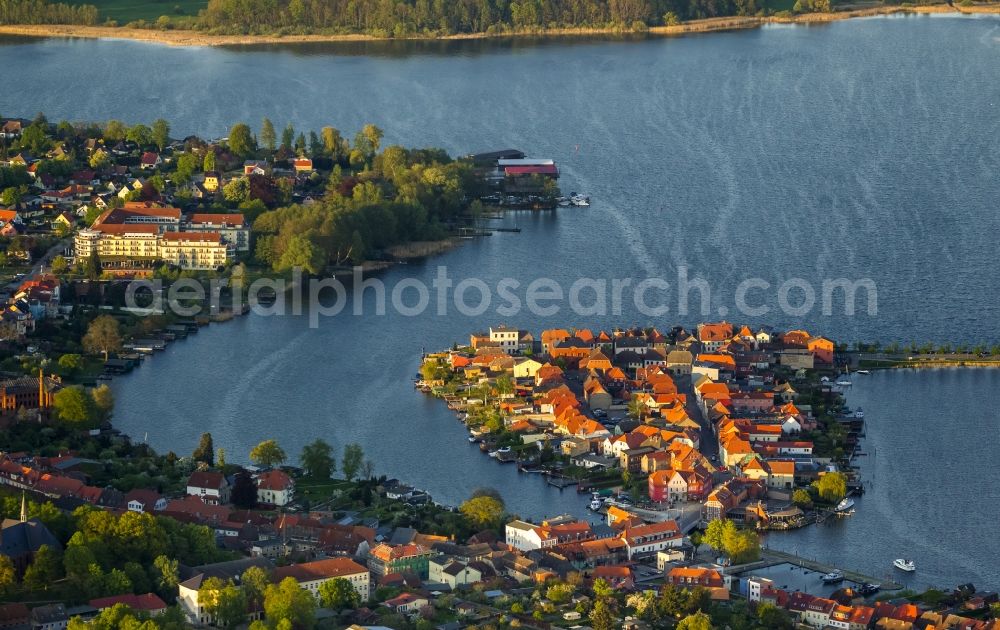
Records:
x=687, y=514
x=42, y=262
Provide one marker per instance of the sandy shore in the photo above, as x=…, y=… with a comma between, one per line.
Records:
x=197, y=38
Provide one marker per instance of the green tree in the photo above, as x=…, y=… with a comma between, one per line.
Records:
x=353, y=459
x=45, y=568
x=74, y=406
x=92, y=269
x=697, y=621
x=288, y=137
x=13, y=195
x=70, y=363
x=802, y=498
x=209, y=162
x=602, y=589
x=35, y=138
x=59, y=265
x=205, y=452
x=286, y=602
x=237, y=191
x=772, y=617
x=255, y=581
x=332, y=142
x=114, y=131
x=140, y=134
x=103, y=335
x=338, y=594
x=187, y=164
x=241, y=141
x=831, y=487
x=267, y=135
x=99, y=159
x=166, y=574
x=603, y=615
x=483, y=511
x=559, y=593
x=104, y=401
x=301, y=253
x=317, y=459
x=267, y=454
x=230, y=607
x=244, y=492
x=8, y=575
x=161, y=133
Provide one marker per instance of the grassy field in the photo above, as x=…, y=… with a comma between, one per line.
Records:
x=125, y=11
x=318, y=490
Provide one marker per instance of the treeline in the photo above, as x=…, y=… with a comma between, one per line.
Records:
x=400, y=18
x=42, y=12
x=400, y=196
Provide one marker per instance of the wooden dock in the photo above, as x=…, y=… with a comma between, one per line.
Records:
x=560, y=482
x=770, y=558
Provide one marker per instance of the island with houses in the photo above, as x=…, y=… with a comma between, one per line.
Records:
x=750, y=425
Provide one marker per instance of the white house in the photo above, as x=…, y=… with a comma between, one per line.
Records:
x=275, y=487
x=212, y=487
x=647, y=540
x=525, y=536
x=406, y=603
x=310, y=575
x=141, y=501
x=506, y=338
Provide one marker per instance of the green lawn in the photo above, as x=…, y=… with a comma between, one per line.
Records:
x=125, y=11
x=318, y=490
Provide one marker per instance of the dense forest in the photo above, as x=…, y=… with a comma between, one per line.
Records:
x=42, y=12
x=399, y=196
x=398, y=18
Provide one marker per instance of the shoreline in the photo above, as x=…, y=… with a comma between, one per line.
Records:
x=708, y=25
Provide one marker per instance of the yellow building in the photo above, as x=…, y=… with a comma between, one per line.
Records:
x=212, y=182
x=194, y=250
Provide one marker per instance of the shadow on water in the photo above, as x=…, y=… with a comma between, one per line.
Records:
x=402, y=48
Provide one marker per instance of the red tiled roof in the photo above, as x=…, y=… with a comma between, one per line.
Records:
x=148, y=602
x=319, y=570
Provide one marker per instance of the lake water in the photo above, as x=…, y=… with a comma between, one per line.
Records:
x=860, y=149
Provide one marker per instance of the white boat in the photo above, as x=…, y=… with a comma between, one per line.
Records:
x=505, y=449
x=579, y=200
x=862, y=372
x=844, y=383
x=904, y=565
x=845, y=504
x=859, y=414
x=596, y=504
x=833, y=577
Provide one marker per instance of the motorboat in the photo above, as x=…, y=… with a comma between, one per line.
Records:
x=859, y=414
x=845, y=504
x=563, y=201
x=844, y=383
x=868, y=588
x=904, y=565
x=863, y=372
x=579, y=200
x=503, y=450
x=834, y=577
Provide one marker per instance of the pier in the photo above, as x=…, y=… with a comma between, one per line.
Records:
x=560, y=482
x=771, y=557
